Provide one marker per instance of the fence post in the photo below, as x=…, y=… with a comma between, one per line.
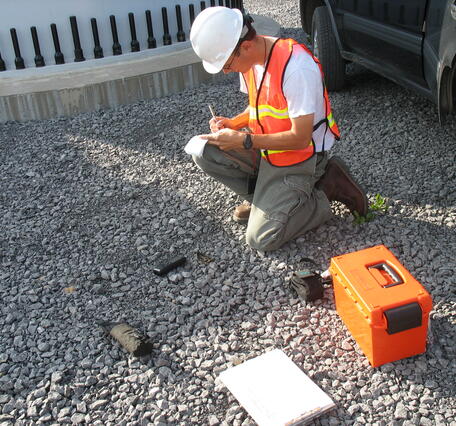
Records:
x=78, y=53
x=39, y=60
x=2, y=63
x=180, y=30
x=58, y=56
x=18, y=61
x=134, y=40
x=97, y=50
x=116, y=47
x=166, y=36
x=191, y=11
x=151, y=42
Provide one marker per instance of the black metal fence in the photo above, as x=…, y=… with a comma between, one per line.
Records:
x=151, y=42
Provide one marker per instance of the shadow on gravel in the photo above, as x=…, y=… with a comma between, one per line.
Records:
x=409, y=160
x=161, y=126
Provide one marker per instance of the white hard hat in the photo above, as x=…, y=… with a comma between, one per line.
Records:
x=215, y=34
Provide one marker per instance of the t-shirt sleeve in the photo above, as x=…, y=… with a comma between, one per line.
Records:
x=302, y=87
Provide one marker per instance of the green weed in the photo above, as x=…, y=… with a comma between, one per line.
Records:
x=377, y=206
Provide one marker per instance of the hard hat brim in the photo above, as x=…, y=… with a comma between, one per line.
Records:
x=214, y=68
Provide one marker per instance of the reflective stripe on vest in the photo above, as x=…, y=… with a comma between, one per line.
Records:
x=288, y=157
x=269, y=109
x=331, y=121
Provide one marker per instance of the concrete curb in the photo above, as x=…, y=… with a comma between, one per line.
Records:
x=70, y=89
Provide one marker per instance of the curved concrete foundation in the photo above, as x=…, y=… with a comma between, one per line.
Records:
x=69, y=89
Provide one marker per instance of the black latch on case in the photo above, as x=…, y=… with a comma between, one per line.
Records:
x=403, y=318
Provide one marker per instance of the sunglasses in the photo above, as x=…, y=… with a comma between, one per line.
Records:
x=227, y=66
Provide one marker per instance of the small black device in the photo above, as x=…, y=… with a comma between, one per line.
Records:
x=248, y=143
x=307, y=284
x=169, y=265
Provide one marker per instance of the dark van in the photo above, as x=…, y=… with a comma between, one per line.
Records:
x=412, y=42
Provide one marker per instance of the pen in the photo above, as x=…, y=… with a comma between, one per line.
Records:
x=212, y=111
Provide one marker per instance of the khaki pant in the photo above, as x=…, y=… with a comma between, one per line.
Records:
x=285, y=202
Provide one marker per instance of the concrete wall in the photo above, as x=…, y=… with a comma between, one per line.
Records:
x=105, y=83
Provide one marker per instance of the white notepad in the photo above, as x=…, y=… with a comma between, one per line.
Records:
x=195, y=146
x=275, y=391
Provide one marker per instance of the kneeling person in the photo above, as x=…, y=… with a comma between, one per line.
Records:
x=280, y=167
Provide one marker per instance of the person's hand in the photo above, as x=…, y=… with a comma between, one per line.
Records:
x=219, y=123
x=226, y=139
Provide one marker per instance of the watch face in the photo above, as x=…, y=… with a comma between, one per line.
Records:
x=248, y=141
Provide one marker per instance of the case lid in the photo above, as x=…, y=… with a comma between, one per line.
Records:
x=378, y=283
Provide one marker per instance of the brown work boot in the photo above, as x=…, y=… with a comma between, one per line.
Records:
x=242, y=212
x=339, y=185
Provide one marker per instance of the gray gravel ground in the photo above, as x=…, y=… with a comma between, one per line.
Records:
x=90, y=204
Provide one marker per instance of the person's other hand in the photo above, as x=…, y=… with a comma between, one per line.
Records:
x=219, y=123
x=226, y=139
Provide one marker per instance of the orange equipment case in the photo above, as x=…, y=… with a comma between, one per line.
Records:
x=385, y=309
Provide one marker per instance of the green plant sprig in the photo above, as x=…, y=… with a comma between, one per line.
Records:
x=377, y=206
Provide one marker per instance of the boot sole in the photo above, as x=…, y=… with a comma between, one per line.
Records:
x=347, y=173
x=241, y=220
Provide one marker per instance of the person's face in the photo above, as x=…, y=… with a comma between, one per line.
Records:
x=237, y=61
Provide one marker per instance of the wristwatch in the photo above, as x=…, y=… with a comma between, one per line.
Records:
x=248, y=143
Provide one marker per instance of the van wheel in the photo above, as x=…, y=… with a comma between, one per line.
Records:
x=447, y=93
x=325, y=48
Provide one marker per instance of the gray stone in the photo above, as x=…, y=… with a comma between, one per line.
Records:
x=81, y=407
x=54, y=396
x=213, y=420
x=347, y=346
x=353, y=409
x=98, y=404
x=64, y=412
x=400, y=413
x=77, y=418
x=165, y=372
x=162, y=404
x=32, y=411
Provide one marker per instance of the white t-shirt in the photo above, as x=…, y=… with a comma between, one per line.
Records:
x=303, y=90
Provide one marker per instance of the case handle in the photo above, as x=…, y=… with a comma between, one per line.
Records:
x=386, y=271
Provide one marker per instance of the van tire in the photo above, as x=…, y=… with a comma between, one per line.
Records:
x=326, y=49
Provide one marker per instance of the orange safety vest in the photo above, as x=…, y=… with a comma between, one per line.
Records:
x=269, y=109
